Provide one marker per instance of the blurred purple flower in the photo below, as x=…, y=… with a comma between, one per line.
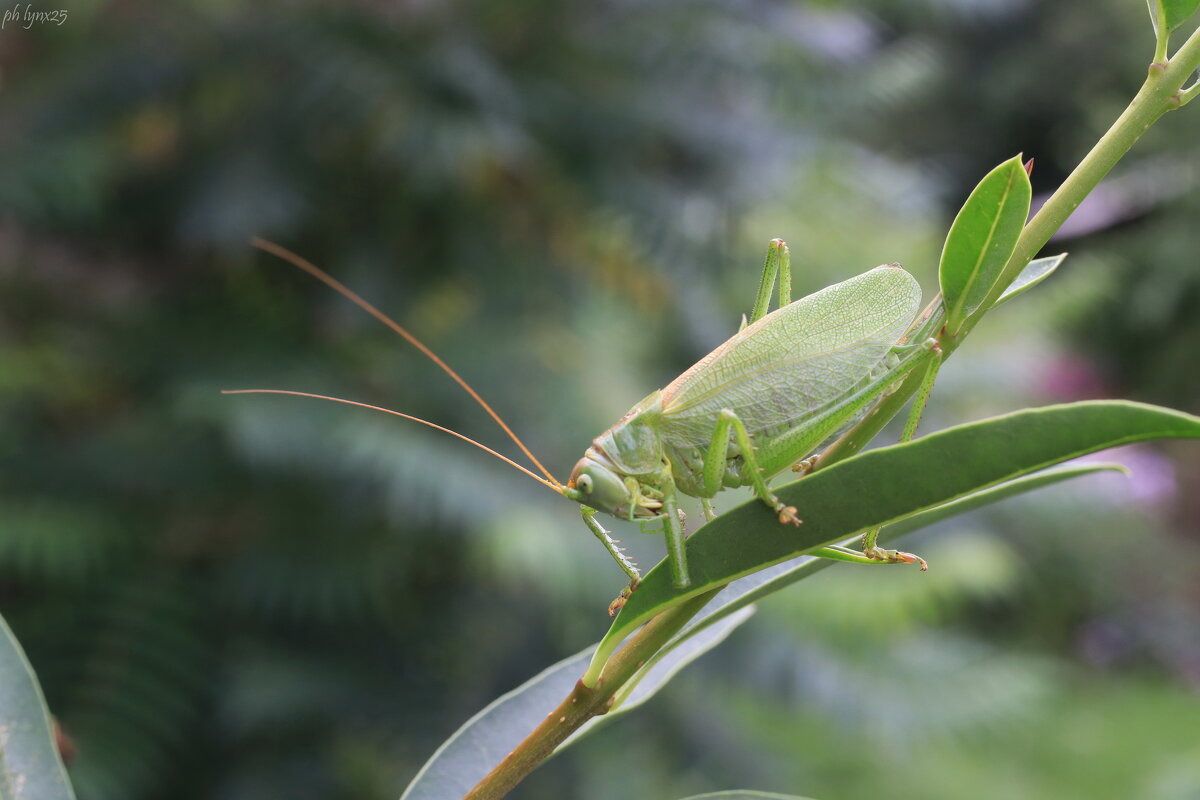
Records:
x=1151, y=482
x=1070, y=376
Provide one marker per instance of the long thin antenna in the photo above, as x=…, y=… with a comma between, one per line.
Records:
x=557, y=487
x=345, y=291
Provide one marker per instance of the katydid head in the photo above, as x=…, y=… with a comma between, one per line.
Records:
x=596, y=482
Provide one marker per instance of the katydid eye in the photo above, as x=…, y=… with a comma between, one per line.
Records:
x=584, y=482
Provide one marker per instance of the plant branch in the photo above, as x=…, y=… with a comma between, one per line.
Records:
x=584, y=703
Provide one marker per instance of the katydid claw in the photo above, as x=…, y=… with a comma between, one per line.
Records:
x=619, y=601
x=788, y=514
x=896, y=557
x=806, y=465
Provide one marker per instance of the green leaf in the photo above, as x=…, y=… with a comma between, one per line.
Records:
x=982, y=238
x=1034, y=273
x=1176, y=12
x=485, y=739
x=900, y=482
x=758, y=585
x=30, y=767
x=742, y=794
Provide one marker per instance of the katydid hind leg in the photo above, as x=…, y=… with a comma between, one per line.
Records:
x=870, y=546
x=838, y=553
x=778, y=265
x=922, y=394
x=790, y=445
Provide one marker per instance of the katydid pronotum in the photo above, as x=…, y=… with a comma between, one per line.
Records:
x=762, y=402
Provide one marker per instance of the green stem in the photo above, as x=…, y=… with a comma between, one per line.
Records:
x=1158, y=15
x=584, y=702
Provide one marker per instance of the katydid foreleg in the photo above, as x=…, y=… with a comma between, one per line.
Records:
x=610, y=544
x=614, y=550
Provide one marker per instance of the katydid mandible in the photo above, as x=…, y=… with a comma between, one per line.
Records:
x=760, y=403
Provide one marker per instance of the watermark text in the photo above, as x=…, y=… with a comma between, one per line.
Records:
x=24, y=15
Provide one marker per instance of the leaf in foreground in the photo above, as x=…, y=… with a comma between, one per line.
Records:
x=741, y=794
x=485, y=739
x=30, y=767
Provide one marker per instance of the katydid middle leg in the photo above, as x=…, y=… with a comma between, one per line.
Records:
x=672, y=521
x=717, y=455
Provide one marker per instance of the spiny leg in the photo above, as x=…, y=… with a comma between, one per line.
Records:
x=715, y=458
x=710, y=513
x=618, y=555
x=870, y=550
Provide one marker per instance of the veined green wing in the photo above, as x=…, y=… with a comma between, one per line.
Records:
x=796, y=359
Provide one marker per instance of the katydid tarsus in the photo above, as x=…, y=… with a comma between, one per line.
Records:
x=762, y=402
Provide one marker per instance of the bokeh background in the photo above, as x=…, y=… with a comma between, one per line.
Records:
x=250, y=597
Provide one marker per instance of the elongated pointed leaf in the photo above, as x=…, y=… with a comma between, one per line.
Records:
x=30, y=767
x=485, y=739
x=758, y=585
x=884, y=486
x=1177, y=12
x=742, y=794
x=982, y=238
x=1033, y=274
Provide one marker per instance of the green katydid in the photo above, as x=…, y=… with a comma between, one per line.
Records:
x=761, y=402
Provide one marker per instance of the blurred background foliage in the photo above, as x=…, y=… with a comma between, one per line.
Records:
x=246, y=597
